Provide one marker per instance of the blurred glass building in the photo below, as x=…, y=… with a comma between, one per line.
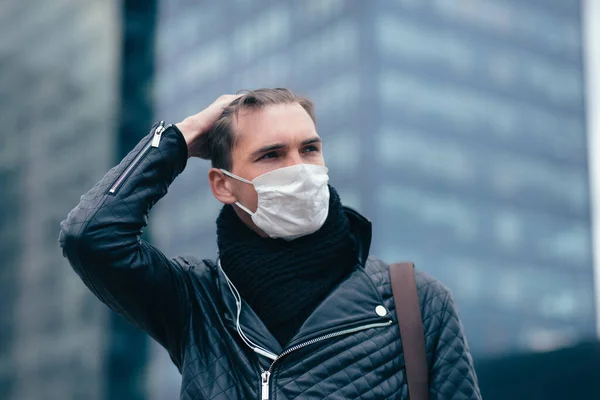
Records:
x=457, y=127
x=58, y=80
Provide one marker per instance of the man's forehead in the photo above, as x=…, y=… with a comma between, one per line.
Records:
x=264, y=127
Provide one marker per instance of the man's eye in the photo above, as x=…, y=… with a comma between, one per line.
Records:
x=311, y=148
x=271, y=154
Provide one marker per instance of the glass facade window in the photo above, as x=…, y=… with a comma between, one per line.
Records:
x=507, y=69
x=410, y=152
x=203, y=65
x=319, y=10
x=341, y=149
x=466, y=111
x=268, y=71
x=547, y=29
x=337, y=43
x=337, y=95
x=468, y=221
x=268, y=31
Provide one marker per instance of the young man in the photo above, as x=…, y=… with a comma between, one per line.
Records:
x=294, y=306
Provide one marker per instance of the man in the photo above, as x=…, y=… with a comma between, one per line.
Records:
x=294, y=307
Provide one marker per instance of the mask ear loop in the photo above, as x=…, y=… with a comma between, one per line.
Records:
x=234, y=176
x=237, y=203
x=239, y=178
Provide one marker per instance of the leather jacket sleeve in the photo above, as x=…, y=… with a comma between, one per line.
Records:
x=101, y=238
x=453, y=374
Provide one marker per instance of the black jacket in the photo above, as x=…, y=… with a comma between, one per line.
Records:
x=344, y=350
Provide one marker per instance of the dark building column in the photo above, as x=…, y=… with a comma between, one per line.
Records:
x=127, y=345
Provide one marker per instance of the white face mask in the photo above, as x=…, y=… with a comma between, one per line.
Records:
x=292, y=201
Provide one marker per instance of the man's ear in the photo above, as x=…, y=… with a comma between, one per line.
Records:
x=221, y=187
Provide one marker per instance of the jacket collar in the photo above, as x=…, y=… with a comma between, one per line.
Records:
x=362, y=232
x=350, y=304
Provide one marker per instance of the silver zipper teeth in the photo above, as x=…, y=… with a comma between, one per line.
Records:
x=153, y=143
x=266, y=375
x=328, y=336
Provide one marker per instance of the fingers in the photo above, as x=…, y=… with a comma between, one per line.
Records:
x=221, y=102
x=227, y=98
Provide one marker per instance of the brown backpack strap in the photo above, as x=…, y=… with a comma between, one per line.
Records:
x=408, y=312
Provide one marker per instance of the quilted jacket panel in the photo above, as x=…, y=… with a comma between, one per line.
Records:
x=344, y=350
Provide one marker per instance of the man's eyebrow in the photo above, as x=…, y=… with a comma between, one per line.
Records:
x=279, y=146
x=266, y=149
x=313, y=140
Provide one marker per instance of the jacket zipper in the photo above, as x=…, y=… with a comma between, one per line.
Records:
x=265, y=376
x=153, y=143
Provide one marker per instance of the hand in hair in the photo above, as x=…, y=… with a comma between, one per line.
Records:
x=195, y=127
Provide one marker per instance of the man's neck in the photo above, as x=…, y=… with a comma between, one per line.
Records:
x=247, y=220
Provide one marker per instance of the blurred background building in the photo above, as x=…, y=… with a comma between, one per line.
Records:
x=59, y=72
x=457, y=126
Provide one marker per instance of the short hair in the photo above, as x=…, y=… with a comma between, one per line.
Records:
x=221, y=139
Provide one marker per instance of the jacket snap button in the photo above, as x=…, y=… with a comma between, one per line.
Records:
x=381, y=311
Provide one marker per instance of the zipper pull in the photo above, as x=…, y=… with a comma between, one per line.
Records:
x=265, y=384
x=157, y=134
